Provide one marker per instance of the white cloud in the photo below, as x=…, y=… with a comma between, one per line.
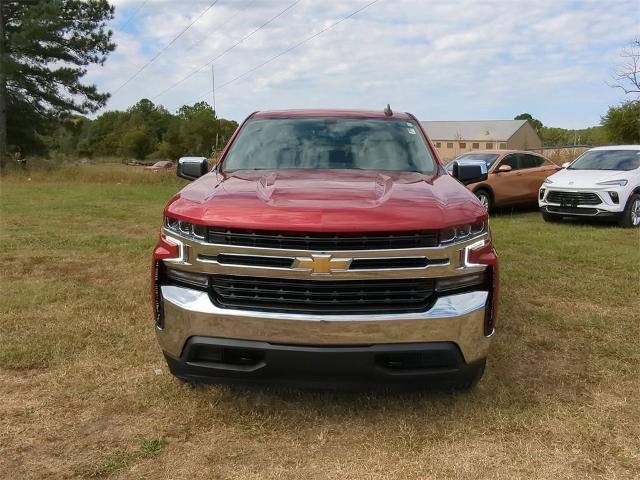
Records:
x=437, y=59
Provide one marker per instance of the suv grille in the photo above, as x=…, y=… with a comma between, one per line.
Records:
x=573, y=198
x=322, y=296
x=322, y=241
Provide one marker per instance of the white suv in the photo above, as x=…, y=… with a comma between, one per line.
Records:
x=602, y=182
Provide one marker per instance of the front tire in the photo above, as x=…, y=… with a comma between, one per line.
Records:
x=631, y=215
x=485, y=198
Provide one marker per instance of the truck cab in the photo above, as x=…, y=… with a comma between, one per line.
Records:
x=326, y=248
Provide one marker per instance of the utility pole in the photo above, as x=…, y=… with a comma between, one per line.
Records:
x=215, y=113
x=3, y=92
x=213, y=91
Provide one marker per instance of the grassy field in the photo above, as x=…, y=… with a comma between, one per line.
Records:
x=84, y=392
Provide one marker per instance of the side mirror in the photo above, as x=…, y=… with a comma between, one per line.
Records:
x=192, y=167
x=504, y=168
x=566, y=164
x=469, y=173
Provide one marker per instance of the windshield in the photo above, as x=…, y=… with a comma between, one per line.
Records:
x=487, y=158
x=320, y=143
x=607, y=160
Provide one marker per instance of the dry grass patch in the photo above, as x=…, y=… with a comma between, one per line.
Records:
x=84, y=392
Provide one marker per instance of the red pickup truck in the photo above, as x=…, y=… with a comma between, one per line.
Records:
x=326, y=248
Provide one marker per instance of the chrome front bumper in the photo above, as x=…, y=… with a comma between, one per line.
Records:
x=455, y=318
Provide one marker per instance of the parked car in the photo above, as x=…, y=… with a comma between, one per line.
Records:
x=514, y=176
x=161, y=165
x=326, y=248
x=603, y=182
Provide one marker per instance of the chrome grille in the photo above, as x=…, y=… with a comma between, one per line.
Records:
x=322, y=296
x=322, y=241
x=573, y=198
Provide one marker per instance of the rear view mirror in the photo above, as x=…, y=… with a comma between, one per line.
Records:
x=469, y=173
x=504, y=168
x=566, y=164
x=192, y=167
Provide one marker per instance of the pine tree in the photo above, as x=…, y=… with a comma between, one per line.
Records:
x=45, y=48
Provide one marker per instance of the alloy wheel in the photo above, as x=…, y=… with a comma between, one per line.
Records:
x=484, y=199
x=635, y=212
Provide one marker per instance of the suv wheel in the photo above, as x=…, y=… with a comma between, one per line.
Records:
x=631, y=216
x=485, y=198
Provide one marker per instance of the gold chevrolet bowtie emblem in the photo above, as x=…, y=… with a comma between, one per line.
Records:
x=321, y=264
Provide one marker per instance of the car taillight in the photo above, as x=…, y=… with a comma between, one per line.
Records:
x=164, y=249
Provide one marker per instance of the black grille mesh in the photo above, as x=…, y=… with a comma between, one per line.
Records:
x=573, y=198
x=322, y=241
x=322, y=296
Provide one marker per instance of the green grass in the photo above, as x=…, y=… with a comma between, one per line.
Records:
x=84, y=390
x=151, y=446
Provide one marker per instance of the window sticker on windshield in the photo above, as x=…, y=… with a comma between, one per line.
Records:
x=409, y=124
x=411, y=131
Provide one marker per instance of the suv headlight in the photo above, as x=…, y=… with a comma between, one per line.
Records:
x=186, y=229
x=619, y=183
x=462, y=232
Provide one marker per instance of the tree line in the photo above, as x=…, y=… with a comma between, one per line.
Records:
x=144, y=131
x=620, y=125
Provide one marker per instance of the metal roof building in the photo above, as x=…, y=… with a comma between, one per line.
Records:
x=452, y=138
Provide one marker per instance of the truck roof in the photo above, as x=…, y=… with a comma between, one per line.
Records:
x=371, y=114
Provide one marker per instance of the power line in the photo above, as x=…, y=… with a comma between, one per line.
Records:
x=215, y=29
x=133, y=15
x=284, y=52
x=244, y=10
x=217, y=57
x=155, y=57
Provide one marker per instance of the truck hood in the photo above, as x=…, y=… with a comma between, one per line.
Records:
x=567, y=178
x=326, y=201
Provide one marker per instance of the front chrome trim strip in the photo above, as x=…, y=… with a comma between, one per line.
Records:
x=576, y=214
x=442, y=261
x=445, y=307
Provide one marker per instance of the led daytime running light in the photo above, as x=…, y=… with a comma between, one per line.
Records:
x=463, y=232
x=186, y=229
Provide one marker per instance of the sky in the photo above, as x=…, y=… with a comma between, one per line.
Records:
x=440, y=60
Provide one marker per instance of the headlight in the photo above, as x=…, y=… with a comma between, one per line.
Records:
x=547, y=181
x=463, y=232
x=186, y=229
x=620, y=183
